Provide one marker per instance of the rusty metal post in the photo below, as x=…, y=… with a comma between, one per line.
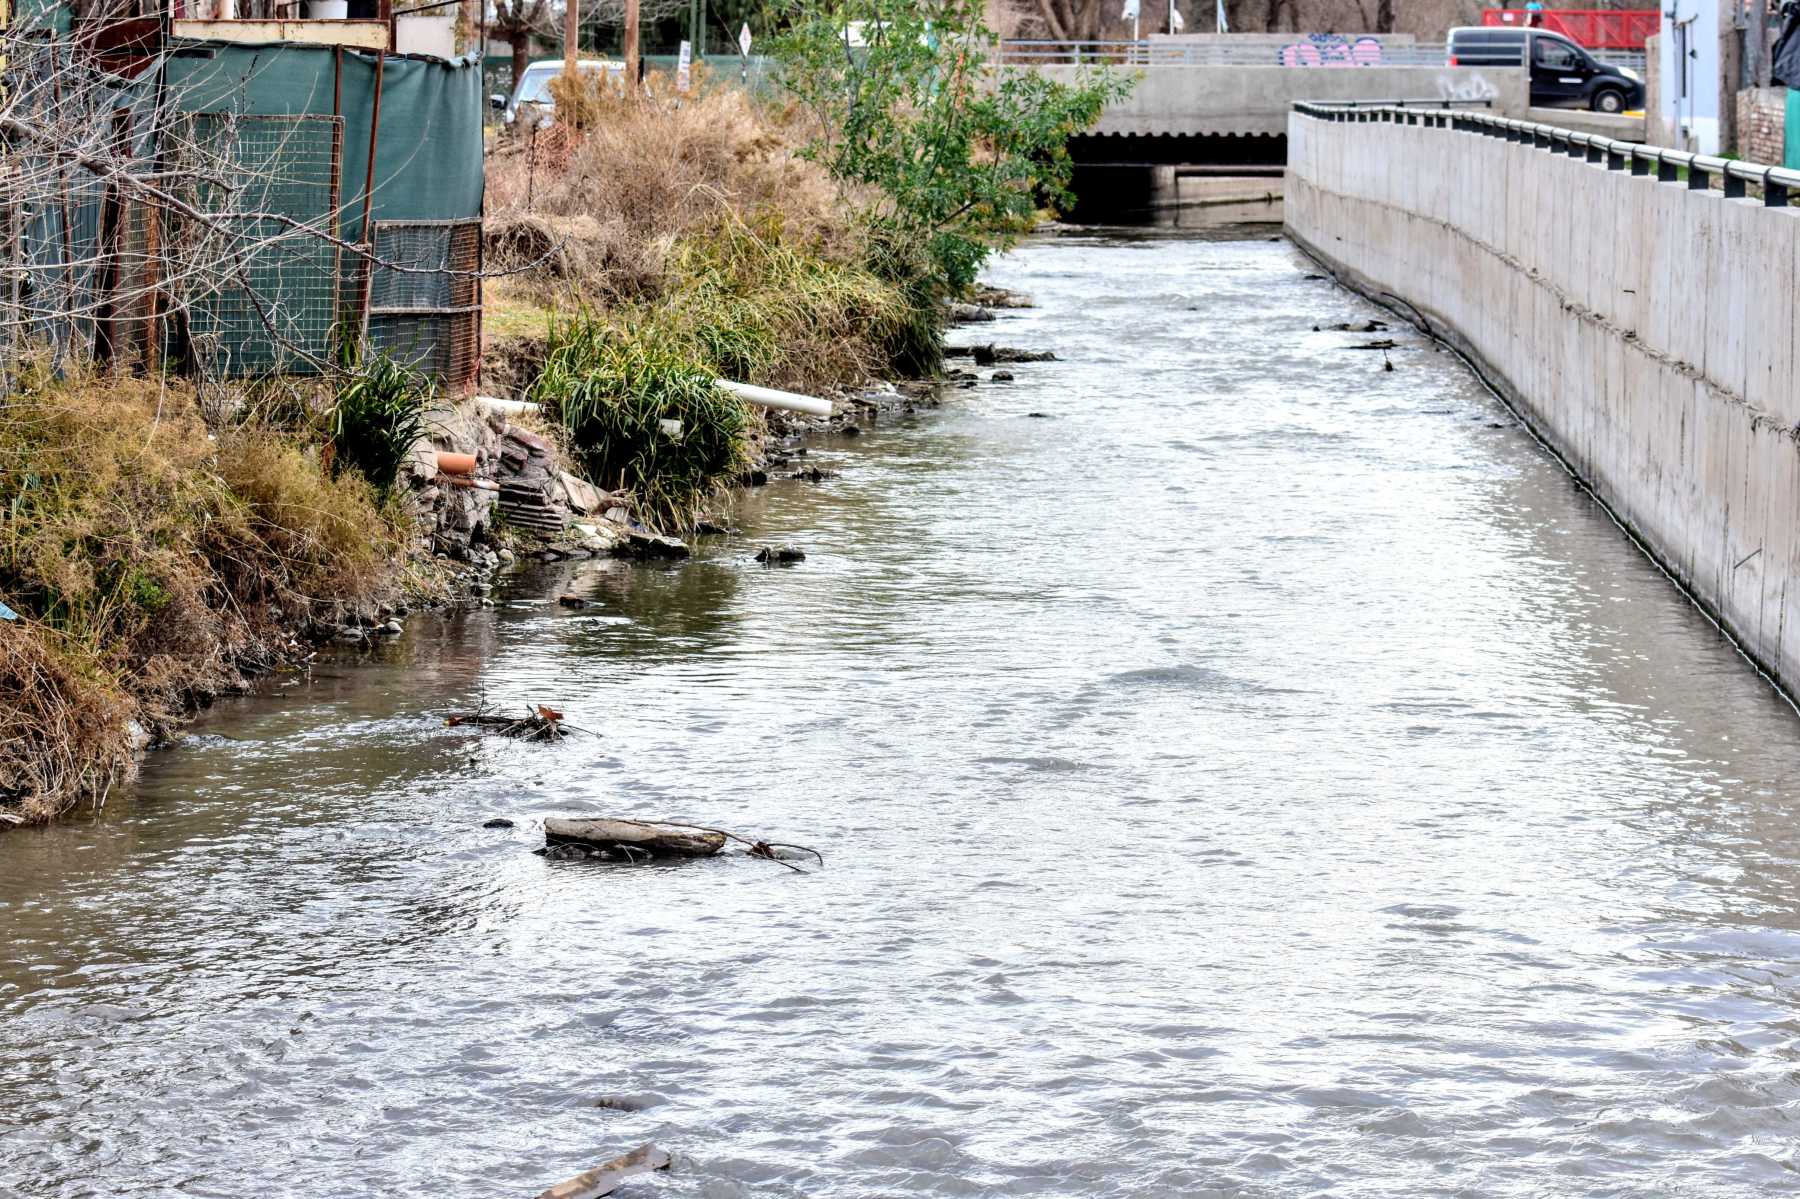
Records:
x=368, y=245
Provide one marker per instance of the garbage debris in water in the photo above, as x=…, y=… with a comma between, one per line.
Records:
x=780, y=553
x=1384, y=343
x=604, y=1179
x=541, y=724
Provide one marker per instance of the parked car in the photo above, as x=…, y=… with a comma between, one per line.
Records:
x=1563, y=75
x=532, y=90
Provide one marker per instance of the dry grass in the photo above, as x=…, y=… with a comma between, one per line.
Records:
x=151, y=560
x=641, y=174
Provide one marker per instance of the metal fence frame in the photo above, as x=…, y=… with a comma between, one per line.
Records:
x=449, y=322
x=1779, y=186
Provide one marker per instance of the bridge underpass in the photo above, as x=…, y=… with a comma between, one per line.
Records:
x=1209, y=126
x=1117, y=175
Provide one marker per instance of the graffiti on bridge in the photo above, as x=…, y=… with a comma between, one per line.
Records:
x=1331, y=50
x=1465, y=87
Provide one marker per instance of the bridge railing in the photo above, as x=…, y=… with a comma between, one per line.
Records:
x=1778, y=186
x=1305, y=51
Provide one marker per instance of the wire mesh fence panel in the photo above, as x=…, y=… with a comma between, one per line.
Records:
x=425, y=297
x=273, y=184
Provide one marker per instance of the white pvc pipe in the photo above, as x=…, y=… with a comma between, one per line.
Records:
x=769, y=397
x=505, y=407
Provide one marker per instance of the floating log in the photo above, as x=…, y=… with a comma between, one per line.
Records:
x=604, y=1179
x=633, y=836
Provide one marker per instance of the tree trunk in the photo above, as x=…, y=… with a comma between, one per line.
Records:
x=1384, y=16
x=521, y=54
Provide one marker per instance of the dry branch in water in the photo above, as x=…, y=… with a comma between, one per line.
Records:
x=605, y=1179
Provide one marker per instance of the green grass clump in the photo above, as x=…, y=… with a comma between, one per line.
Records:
x=379, y=414
x=759, y=309
x=612, y=386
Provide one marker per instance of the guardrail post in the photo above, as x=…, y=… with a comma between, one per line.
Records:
x=1775, y=195
x=1615, y=159
x=1665, y=171
x=1639, y=164
x=1595, y=153
x=1698, y=180
x=1734, y=187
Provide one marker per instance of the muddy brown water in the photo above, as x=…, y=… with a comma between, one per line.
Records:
x=1263, y=774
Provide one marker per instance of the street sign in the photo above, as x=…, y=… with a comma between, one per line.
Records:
x=744, y=41
x=684, y=67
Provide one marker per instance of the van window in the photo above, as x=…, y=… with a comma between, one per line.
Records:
x=1554, y=55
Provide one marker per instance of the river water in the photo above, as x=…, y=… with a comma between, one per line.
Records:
x=1263, y=774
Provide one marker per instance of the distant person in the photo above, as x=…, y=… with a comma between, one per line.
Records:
x=1534, y=12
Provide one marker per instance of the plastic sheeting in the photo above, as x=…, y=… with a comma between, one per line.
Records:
x=1791, y=132
x=428, y=162
x=306, y=151
x=1784, y=64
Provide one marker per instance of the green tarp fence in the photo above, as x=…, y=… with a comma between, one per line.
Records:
x=1791, y=148
x=294, y=122
x=428, y=163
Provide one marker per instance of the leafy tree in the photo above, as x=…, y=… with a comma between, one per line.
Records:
x=958, y=154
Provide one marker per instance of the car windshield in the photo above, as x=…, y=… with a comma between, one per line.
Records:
x=534, y=88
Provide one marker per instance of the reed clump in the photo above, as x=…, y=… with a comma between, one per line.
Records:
x=642, y=416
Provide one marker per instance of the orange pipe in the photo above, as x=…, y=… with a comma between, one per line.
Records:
x=455, y=464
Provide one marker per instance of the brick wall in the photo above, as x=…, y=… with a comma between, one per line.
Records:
x=1762, y=124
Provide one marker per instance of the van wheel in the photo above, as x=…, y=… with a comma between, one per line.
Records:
x=1609, y=99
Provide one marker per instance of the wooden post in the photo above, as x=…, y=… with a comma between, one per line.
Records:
x=631, y=46
x=571, y=39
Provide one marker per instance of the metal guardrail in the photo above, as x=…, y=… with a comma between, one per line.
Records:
x=1779, y=185
x=1304, y=52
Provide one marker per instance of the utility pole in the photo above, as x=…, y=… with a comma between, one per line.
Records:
x=631, y=46
x=571, y=39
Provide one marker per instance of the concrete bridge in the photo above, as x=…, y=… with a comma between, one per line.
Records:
x=1634, y=305
x=1207, y=107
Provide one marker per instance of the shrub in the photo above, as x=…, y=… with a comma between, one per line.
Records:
x=958, y=156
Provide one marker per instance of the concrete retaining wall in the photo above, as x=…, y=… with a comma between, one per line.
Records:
x=1645, y=330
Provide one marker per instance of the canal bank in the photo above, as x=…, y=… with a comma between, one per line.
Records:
x=1259, y=772
x=1641, y=322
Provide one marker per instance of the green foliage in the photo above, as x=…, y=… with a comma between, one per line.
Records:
x=379, y=414
x=962, y=154
x=612, y=386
